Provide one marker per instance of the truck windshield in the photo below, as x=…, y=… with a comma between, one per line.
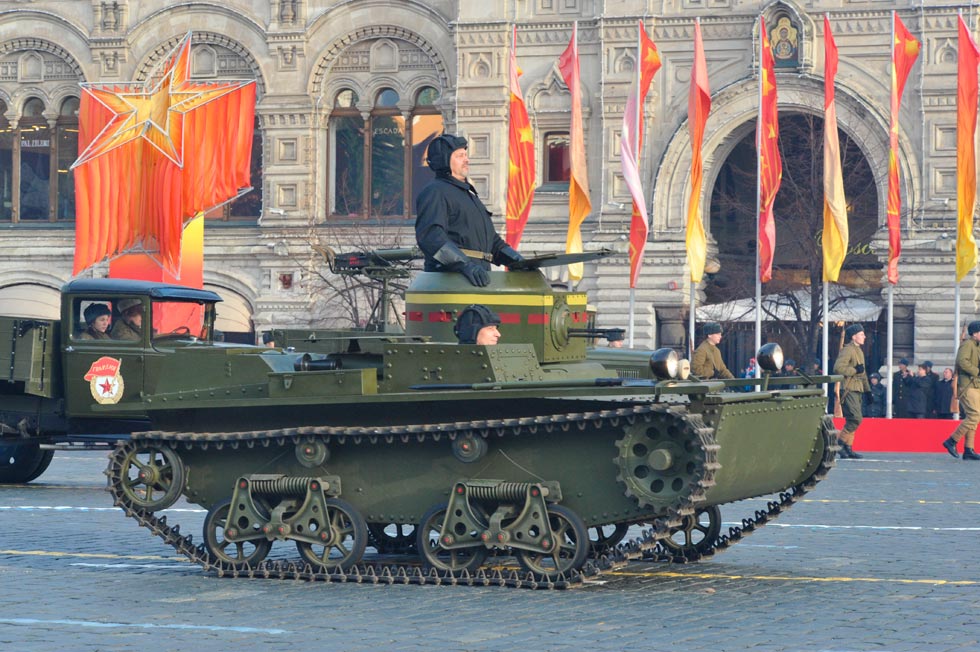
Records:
x=180, y=320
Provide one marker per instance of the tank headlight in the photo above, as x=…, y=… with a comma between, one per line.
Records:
x=663, y=363
x=684, y=369
x=770, y=357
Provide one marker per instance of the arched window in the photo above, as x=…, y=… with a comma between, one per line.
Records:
x=67, y=147
x=377, y=165
x=32, y=201
x=6, y=166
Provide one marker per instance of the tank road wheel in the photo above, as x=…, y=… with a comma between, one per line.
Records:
x=22, y=462
x=153, y=477
x=235, y=553
x=604, y=537
x=571, y=546
x=455, y=560
x=346, y=537
x=392, y=538
x=697, y=532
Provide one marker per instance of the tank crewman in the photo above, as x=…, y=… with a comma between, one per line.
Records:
x=968, y=391
x=850, y=364
x=477, y=324
x=97, y=318
x=706, y=362
x=453, y=227
x=130, y=324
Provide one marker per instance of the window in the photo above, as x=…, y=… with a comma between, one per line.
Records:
x=377, y=166
x=557, y=160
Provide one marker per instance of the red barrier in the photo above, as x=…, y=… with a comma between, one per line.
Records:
x=902, y=435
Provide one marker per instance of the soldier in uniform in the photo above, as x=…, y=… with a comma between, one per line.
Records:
x=453, y=227
x=901, y=380
x=97, y=318
x=130, y=324
x=850, y=364
x=968, y=391
x=706, y=362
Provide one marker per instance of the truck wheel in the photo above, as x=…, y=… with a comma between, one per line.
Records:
x=22, y=462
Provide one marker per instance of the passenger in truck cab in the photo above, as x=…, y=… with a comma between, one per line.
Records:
x=97, y=318
x=130, y=324
x=477, y=324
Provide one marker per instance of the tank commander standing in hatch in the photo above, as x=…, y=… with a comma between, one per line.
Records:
x=477, y=324
x=850, y=364
x=706, y=362
x=130, y=324
x=453, y=227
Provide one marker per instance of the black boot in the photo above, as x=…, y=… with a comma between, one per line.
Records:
x=950, y=446
x=970, y=454
x=845, y=451
x=851, y=454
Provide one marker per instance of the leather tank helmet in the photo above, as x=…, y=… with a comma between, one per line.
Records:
x=441, y=150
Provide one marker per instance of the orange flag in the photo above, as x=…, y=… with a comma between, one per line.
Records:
x=966, y=156
x=905, y=50
x=579, y=203
x=770, y=163
x=520, y=155
x=154, y=155
x=835, y=230
x=647, y=66
x=698, y=107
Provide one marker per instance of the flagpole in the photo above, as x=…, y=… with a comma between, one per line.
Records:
x=758, y=209
x=956, y=320
x=891, y=314
x=636, y=153
x=824, y=359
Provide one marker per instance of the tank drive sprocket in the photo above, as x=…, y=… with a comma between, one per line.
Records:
x=666, y=460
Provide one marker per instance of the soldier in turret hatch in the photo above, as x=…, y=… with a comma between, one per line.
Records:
x=477, y=324
x=453, y=227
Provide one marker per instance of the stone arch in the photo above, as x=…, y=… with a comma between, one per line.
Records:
x=321, y=70
x=158, y=54
x=31, y=294
x=733, y=110
x=41, y=45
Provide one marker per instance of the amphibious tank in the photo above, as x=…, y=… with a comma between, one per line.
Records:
x=408, y=457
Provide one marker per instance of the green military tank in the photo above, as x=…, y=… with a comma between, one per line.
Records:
x=433, y=454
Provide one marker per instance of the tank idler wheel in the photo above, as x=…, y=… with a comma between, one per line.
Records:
x=344, y=538
x=570, y=550
x=22, y=462
x=153, y=477
x=235, y=553
x=602, y=538
x=697, y=532
x=393, y=538
x=454, y=560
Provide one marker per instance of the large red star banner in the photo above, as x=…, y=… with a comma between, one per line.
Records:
x=155, y=155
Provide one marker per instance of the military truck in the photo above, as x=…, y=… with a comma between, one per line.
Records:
x=409, y=443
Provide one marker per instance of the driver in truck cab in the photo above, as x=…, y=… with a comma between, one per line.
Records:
x=130, y=324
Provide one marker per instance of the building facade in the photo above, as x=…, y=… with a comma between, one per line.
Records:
x=349, y=93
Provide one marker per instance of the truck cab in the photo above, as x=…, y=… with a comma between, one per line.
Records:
x=106, y=373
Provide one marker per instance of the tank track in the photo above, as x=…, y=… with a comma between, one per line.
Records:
x=647, y=546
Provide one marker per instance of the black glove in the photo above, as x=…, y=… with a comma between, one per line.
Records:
x=475, y=274
x=859, y=368
x=508, y=257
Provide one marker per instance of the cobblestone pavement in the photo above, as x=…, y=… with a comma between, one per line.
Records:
x=881, y=556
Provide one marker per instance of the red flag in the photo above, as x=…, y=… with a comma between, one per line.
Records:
x=648, y=63
x=520, y=154
x=905, y=50
x=966, y=155
x=835, y=229
x=770, y=163
x=698, y=107
x=579, y=203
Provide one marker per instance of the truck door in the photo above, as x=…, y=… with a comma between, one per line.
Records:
x=103, y=374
